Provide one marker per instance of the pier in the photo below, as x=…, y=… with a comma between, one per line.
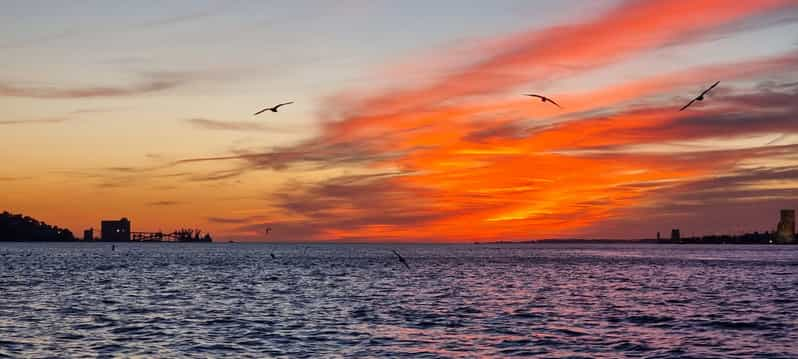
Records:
x=154, y=237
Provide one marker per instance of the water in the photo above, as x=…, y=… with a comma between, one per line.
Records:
x=558, y=300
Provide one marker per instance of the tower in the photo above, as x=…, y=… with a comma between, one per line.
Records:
x=785, y=232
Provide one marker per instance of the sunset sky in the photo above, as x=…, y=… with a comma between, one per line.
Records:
x=409, y=124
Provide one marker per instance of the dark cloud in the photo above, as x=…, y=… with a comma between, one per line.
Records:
x=227, y=220
x=348, y=203
x=733, y=115
x=504, y=131
x=125, y=176
x=216, y=175
x=311, y=155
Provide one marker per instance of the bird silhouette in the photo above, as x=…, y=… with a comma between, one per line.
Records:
x=401, y=259
x=543, y=99
x=272, y=109
x=700, y=97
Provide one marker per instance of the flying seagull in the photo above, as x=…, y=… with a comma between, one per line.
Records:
x=700, y=97
x=272, y=109
x=544, y=99
x=401, y=259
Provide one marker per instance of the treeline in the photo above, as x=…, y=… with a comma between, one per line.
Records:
x=747, y=238
x=19, y=228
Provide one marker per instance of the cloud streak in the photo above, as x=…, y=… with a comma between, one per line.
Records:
x=35, y=122
x=153, y=82
x=164, y=203
x=147, y=24
x=245, y=126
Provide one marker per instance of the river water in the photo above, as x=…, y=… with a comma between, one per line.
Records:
x=311, y=301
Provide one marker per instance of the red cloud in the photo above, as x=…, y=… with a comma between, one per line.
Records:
x=469, y=168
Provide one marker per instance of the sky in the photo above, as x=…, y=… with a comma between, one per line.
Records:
x=409, y=122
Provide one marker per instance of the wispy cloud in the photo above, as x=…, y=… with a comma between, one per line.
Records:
x=152, y=82
x=246, y=126
x=164, y=203
x=139, y=25
x=70, y=116
x=35, y=122
x=11, y=179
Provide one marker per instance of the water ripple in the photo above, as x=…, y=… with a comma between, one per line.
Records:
x=234, y=300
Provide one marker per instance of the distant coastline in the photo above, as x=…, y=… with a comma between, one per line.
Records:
x=748, y=238
x=22, y=228
x=784, y=234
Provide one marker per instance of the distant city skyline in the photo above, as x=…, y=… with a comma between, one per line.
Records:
x=409, y=121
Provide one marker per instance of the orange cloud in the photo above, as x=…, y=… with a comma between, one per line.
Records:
x=452, y=163
x=629, y=29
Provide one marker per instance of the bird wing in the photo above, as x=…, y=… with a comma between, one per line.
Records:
x=710, y=88
x=401, y=259
x=687, y=105
x=283, y=104
x=261, y=111
x=533, y=95
x=552, y=101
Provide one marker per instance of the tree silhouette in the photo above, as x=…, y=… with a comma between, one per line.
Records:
x=16, y=227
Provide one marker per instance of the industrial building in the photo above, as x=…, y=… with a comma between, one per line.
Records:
x=116, y=231
x=676, y=235
x=785, y=231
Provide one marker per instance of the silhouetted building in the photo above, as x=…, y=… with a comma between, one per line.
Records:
x=785, y=232
x=88, y=235
x=675, y=235
x=116, y=231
